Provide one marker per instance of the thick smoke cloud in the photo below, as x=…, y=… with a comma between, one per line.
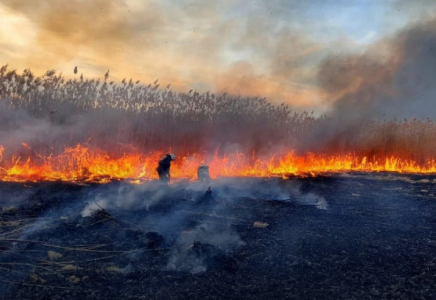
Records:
x=400, y=86
x=392, y=81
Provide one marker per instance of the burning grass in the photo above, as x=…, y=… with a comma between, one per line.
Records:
x=54, y=128
x=82, y=164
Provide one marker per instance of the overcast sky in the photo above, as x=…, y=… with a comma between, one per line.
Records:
x=268, y=48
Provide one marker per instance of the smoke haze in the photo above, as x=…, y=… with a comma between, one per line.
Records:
x=392, y=81
x=254, y=48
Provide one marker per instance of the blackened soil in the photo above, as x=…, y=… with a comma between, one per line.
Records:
x=368, y=236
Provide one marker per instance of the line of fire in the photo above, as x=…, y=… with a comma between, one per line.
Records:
x=81, y=164
x=88, y=130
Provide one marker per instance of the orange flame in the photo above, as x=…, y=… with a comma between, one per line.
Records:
x=86, y=165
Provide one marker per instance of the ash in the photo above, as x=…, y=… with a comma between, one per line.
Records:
x=349, y=236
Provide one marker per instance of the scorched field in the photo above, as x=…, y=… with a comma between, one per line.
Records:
x=348, y=236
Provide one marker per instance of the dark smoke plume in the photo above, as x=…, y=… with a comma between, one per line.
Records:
x=393, y=86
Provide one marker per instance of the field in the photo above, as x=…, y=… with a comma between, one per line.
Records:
x=324, y=190
x=347, y=236
x=301, y=206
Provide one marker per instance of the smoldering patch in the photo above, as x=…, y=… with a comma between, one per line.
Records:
x=194, y=248
x=195, y=231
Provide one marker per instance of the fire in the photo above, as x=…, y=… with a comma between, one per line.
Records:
x=82, y=164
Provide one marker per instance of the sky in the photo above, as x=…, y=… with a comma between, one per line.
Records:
x=275, y=49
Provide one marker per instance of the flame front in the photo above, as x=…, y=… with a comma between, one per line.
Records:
x=83, y=164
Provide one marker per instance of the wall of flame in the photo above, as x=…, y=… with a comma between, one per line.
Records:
x=82, y=164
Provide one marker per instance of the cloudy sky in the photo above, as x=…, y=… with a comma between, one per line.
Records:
x=272, y=48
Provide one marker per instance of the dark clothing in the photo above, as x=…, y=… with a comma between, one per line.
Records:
x=164, y=168
x=164, y=175
x=165, y=163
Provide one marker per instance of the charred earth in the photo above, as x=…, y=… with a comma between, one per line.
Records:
x=349, y=236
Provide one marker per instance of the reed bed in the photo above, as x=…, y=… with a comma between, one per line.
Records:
x=120, y=117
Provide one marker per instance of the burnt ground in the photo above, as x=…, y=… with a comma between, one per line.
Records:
x=359, y=236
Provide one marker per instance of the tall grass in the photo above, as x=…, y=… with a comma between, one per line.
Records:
x=130, y=115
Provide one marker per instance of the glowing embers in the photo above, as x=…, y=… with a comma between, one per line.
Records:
x=92, y=165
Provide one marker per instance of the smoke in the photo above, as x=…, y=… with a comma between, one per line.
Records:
x=49, y=113
x=398, y=86
x=152, y=194
x=258, y=54
x=129, y=197
x=189, y=44
x=187, y=254
x=170, y=211
x=393, y=80
x=25, y=135
x=195, y=227
x=252, y=48
x=97, y=28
